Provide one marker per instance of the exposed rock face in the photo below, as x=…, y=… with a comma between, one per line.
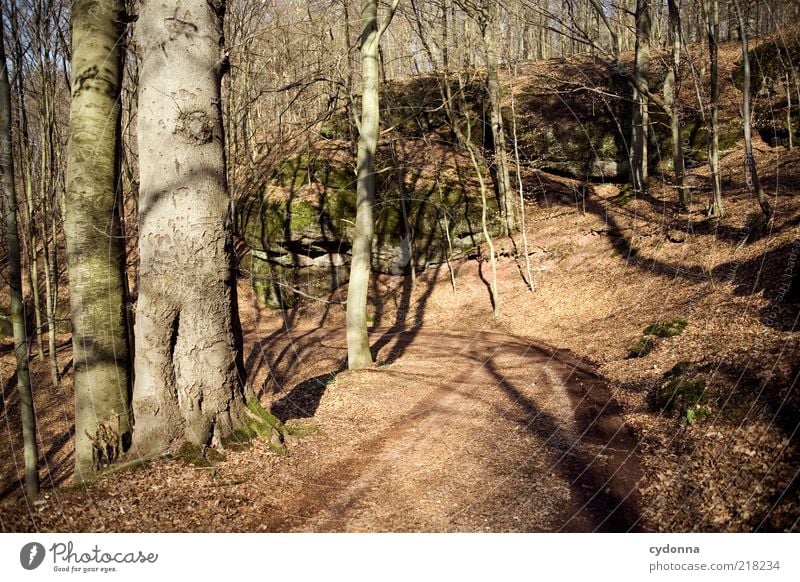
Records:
x=6, y=329
x=298, y=228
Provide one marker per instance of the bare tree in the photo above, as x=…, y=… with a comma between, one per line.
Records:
x=641, y=92
x=30, y=452
x=712, y=30
x=358, y=353
x=672, y=85
x=750, y=161
x=489, y=22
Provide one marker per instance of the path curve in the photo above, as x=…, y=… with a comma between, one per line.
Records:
x=461, y=431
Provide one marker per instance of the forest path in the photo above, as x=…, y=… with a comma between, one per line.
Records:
x=457, y=431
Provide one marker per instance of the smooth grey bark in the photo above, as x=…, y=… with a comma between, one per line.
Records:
x=95, y=251
x=358, y=353
x=712, y=29
x=30, y=452
x=187, y=386
x=750, y=161
x=672, y=86
x=641, y=113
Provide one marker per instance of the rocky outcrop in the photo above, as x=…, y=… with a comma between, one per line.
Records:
x=297, y=227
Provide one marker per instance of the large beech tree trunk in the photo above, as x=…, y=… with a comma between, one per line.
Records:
x=187, y=386
x=95, y=251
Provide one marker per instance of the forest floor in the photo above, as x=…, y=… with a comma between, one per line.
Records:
x=470, y=423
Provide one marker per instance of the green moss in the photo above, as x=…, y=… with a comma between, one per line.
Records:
x=337, y=127
x=6, y=328
x=389, y=223
x=607, y=148
x=626, y=194
x=261, y=424
x=641, y=347
x=191, y=454
x=278, y=450
x=239, y=439
x=265, y=418
x=302, y=430
x=684, y=393
x=669, y=327
x=694, y=136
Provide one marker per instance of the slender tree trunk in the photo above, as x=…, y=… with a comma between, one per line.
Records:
x=358, y=354
x=29, y=224
x=716, y=208
x=789, y=112
x=523, y=226
x=33, y=268
x=187, y=383
x=48, y=185
x=750, y=161
x=28, y=417
x=641, y=112
x=95, y=251
x=505, y=193
x=672, y=86
x=50, y=269
x=473, y=156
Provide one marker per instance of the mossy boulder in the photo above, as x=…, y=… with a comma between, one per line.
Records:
x=6, y=327
x=298, y=226
x=694, y=136
x=583, y=145
x=769, y=63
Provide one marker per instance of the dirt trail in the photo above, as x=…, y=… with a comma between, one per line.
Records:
x=460, y=431
x=452, y=431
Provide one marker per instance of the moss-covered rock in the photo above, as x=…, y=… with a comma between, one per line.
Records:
x=6, y=327
x=299, y=226
x=769, y=63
